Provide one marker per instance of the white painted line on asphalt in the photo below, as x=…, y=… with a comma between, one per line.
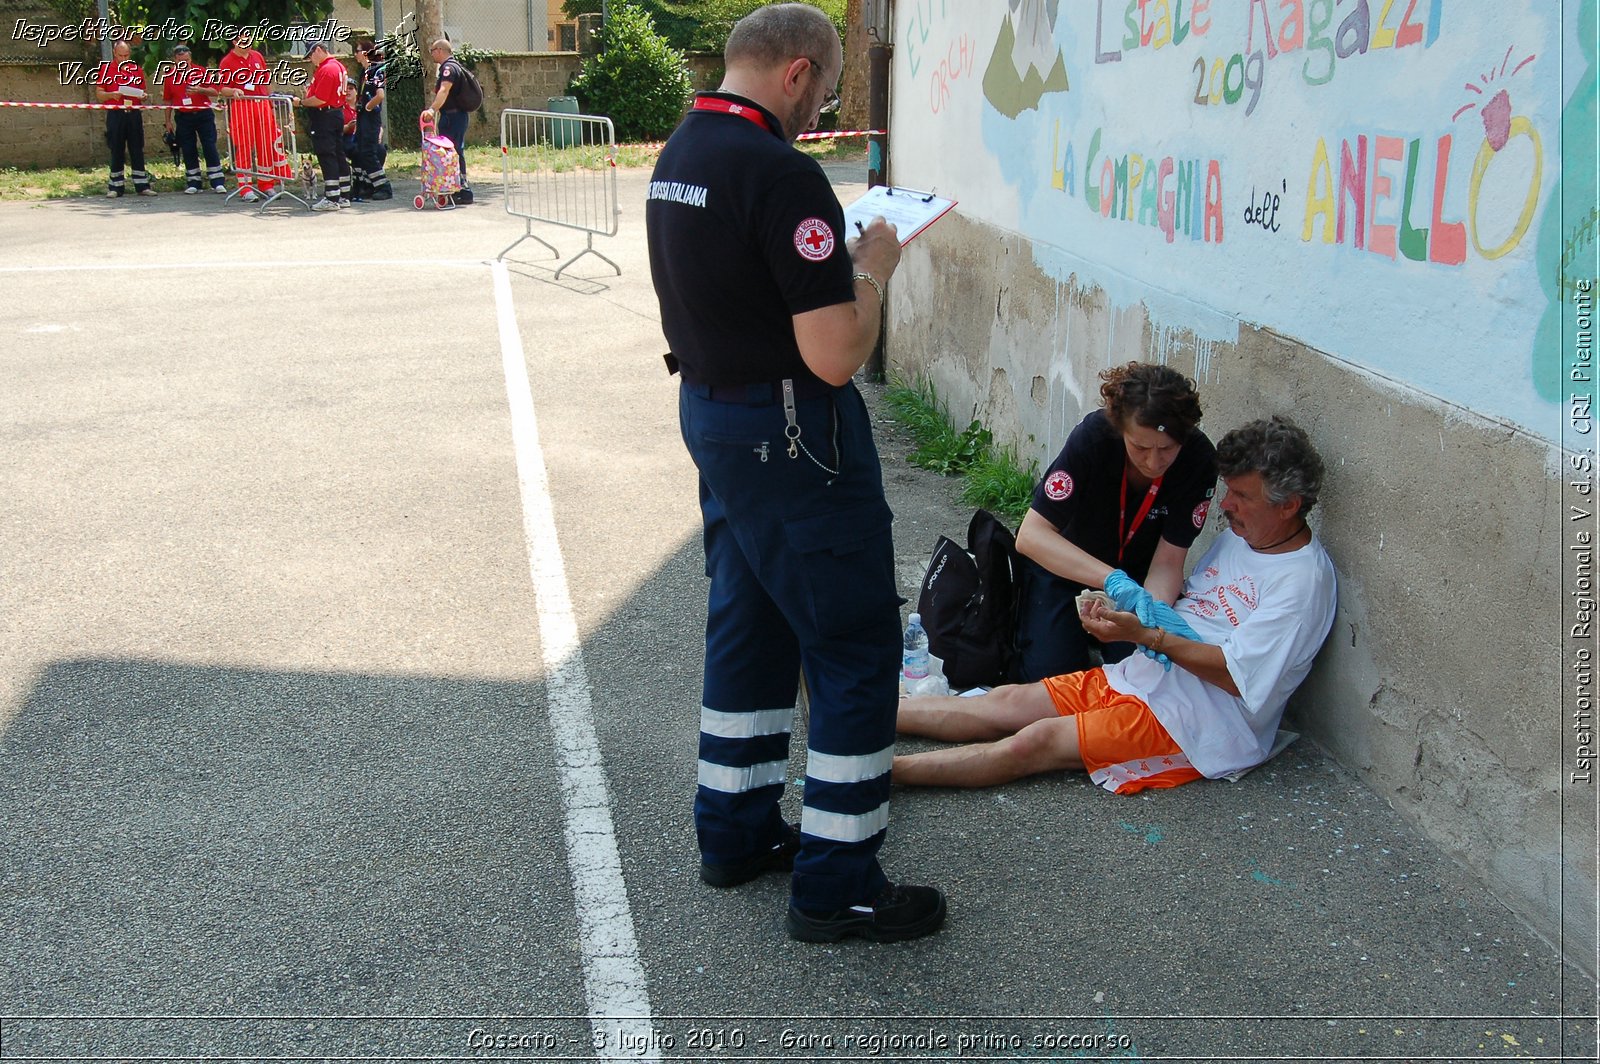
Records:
x=230, y=265
x=613, y=975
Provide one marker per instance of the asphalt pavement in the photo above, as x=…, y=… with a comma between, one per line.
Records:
x=284, y=678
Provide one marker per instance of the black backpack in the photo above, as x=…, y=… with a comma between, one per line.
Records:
x=466, y=94
x=968, y=603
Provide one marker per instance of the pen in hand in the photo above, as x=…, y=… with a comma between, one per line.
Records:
x=859, y=227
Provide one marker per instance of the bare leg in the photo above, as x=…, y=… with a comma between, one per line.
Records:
x=1048, y=745
x=1003, y=711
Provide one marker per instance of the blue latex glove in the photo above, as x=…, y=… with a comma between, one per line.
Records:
x=1151, y=611
x=1125, y=591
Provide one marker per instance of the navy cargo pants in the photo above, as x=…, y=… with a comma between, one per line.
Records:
x=801, y=563
x=197, y=137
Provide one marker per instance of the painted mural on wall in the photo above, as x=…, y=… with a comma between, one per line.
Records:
x=1381, y=179
x=1026, y=62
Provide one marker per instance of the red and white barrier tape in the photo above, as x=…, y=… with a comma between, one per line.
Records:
x=836, y=135
x=106, y=106
x=844, y=133
x=659, y=144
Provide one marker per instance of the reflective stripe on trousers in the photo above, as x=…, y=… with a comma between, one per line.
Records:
x=802, y=577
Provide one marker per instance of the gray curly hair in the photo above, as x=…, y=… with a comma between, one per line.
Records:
x=1281, y=452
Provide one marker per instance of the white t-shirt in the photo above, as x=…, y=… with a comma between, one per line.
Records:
x=1270, y=614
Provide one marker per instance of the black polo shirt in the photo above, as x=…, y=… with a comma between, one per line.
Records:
x=745, y=232
x=1081, y=495
x=453, y=72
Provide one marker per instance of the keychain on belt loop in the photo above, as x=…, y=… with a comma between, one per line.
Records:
x=791, y=431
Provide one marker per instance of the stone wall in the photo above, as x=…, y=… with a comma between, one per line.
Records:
x=33, y=138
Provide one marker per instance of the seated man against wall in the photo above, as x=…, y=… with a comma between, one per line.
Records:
x=1205, y=697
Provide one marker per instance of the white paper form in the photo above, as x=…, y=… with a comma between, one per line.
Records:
x=909, y=210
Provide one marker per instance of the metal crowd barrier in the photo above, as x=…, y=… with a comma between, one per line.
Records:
x=560, y=169
x=263, y=149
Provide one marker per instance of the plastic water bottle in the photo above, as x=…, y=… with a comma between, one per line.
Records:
x=914, y=659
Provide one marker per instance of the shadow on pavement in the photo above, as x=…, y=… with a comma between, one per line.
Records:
x=313, y=853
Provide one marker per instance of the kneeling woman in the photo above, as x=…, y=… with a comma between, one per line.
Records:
x=1130, y=491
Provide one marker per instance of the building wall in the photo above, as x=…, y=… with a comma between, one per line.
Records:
x=497, y=25
x=555, y=20
x=500, y=26
x=353, y=16
x=1355, y=214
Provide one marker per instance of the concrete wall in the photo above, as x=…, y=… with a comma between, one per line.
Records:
x=1363, y=223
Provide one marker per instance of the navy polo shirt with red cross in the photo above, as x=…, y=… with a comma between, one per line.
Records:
x=1082, y=492
x=745, y=232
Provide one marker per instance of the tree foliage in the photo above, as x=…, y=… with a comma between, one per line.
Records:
x=636, y=78
x=194, y=14
x=700, y=25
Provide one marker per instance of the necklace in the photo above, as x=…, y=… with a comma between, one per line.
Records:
x=1303, y=527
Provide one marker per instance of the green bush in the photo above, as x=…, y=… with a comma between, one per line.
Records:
x=636, y=79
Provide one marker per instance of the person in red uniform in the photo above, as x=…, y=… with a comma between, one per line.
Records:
x=347, y=137
x=187, y=94
x=253, y=135
x=324, y=103
x=122, y=82
x=349, y=109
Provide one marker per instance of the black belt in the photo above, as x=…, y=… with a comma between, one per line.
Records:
x=760, y=393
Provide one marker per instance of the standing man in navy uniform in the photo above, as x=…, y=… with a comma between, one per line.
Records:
x=371, y=182
x=769, y=313
x=121, y=82
x=452, y=117
x=188, y=97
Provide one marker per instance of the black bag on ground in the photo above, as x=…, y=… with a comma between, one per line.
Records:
x=968, y=603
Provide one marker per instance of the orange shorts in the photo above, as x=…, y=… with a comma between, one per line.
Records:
x=1121, y=742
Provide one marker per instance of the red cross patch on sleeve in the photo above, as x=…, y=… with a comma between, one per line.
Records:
x=813, y=239
x=1058, y=485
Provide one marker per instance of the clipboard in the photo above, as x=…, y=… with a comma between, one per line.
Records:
x=910, y=210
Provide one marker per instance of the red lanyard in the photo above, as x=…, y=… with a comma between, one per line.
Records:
x=1124, y=534
x=728, y=107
